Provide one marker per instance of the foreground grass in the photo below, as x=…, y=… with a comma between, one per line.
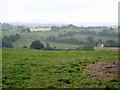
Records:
x=27, y=68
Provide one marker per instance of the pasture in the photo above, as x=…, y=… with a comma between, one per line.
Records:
x=27, y=68
x=39, y=29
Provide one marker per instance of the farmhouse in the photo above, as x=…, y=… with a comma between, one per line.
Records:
x=100, y=45
x=40, y=29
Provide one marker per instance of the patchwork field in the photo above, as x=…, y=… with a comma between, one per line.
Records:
x=27, y=68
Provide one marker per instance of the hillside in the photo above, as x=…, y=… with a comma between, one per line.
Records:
x=66, y=38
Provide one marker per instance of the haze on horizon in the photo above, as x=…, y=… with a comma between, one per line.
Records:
x=94, y=12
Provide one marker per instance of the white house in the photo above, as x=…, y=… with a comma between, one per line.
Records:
x=100, y=45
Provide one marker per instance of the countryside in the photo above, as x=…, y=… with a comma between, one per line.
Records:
x=54, y=44
x=60, y=64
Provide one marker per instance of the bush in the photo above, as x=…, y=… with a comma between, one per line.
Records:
x=36, y=45
x=6, y=42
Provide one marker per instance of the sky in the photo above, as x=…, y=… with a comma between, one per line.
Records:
x=94, y=12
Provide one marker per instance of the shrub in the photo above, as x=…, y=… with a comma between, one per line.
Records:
x=36, y=45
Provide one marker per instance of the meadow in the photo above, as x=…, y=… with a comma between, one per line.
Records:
x=28, y=68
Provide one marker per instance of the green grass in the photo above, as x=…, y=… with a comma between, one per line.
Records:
x=8, y=33
x=27, y=68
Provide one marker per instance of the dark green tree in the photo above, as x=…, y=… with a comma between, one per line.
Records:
x=36, y=45
x=99, y=41
x=6, y=42
x=91, y=41
x=111, y=43
x=28, y=29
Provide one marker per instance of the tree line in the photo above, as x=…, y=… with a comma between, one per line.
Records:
x=8, y=40
x=90, y=41
x=105, y=32
x=7, y=27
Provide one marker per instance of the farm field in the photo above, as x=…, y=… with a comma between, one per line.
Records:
x=40, y=29
x=28, y=68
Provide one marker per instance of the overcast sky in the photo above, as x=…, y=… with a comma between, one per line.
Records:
x=59, y=11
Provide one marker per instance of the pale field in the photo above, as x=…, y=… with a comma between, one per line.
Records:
x=40, y=29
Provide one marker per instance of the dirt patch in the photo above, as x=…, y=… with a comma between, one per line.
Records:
x=104, y=70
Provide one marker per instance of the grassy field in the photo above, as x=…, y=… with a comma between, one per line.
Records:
x=27, y=68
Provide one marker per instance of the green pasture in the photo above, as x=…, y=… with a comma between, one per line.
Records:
x=27, y=68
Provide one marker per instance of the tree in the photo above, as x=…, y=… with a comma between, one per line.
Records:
x=99, y=40
x=28, y=29
x=6, y=27
x=6, y=42
x=91, y=41
x=21, y=28
x=111, y=43
x=36, y=45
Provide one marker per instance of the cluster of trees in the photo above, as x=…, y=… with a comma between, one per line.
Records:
x=112, y=43
x=86, y=30
x=90, y=41
x=8, y=40
x=108, y=32
x=23, y=29
x=64, y=27
x=6, y=27
x=64, y=40
x=105, y=32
